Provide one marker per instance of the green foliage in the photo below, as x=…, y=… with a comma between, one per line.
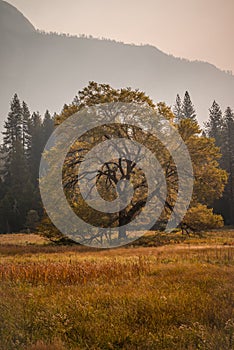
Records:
x=25, y=136
x=221, y=128
x=13, y=126
x=200, y=218
x=23, y=142
x=185, y=109
x=177, y=109
x=209, y=178
x=188, y=111
x=214, y=125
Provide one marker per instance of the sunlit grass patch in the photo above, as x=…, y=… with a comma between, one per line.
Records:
x=171, y=297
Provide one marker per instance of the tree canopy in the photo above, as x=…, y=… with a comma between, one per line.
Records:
x=209, y=178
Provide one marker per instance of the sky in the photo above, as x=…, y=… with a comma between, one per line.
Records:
x=193, y=29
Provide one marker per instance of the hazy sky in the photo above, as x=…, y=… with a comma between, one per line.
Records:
x=194, y=29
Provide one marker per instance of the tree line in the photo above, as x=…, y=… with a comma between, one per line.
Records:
x=220, y=127
x=25, y=135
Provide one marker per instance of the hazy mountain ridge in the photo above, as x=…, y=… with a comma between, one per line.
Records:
x=47, y=70
x=104, y=39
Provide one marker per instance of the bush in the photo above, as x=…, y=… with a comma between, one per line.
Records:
x=200, y=218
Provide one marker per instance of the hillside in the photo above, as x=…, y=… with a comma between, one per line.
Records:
x=47, y=70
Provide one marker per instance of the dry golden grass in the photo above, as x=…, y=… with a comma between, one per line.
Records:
x=173, y=297
x=22, y=239
x=40, y=345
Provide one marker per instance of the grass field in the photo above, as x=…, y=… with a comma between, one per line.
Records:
x=174, y=293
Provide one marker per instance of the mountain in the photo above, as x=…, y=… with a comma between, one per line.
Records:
x=47, y=70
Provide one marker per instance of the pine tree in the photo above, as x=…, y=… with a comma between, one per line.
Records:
x=26, y=129
x=214, y=126
x=13, y=125
x=47, y=127
x=12, y=135
x=177, y=109
x=24, y=138
x=16, y=180
x=188, y=111
x=2, y=161
x=221, y=128
x=36, y=146
x=228, y=162
x=15, y=176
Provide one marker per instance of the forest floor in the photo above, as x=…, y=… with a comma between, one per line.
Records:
x=167, y=291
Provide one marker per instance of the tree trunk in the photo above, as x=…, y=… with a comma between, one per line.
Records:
x=122, y=229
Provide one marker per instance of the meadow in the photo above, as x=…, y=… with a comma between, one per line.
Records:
x=166, y=292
